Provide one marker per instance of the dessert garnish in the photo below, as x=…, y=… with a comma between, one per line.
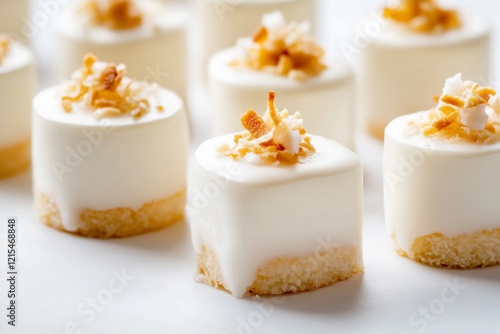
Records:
x=278, y=137
x=114, y=14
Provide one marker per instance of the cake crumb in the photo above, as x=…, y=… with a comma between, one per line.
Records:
x=5, y=43
x=276, y=138
x=423, y=16
x=283, y=49
x=114, y=14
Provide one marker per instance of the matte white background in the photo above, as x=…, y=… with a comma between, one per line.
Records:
x=60, y=273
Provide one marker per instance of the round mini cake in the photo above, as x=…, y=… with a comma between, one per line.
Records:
x=109, y=154
x=220, y=23
x=418, y=48
x=273, y=210
x=12, y=13
x=17, y=87
x=441, y=192
x=148, y=36
x=283, y=57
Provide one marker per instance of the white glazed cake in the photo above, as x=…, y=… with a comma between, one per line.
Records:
x=440, y=184
x=273, y=210
x=17, y=87
x=148, y=36
x=12, y=13
x=109, y=154
x=406, y=63
x=220, y=23
x=283, y=57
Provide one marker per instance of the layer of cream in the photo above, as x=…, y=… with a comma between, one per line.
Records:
x=154, y=52
x=212, y=19
x=250, y=213
x=84, y=163
x=400, y=71
x=11, y=18
x=432, y=185
x=17, y=87
x=326, y=102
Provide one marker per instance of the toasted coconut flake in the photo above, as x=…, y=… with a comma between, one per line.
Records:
x=5, y=43
x=114, y=14
x=283, y=49
x=423, y=16
x=254, y=123
x=461, y=113
x=105, y=92
x=276, y=138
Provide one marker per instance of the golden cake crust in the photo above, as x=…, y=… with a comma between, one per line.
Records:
x=117, y=222
x=15, y=158
x=481, y=249
x=289, y=275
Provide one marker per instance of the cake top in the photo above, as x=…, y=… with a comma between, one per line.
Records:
x=5, y=43
x=465, y=112
x=104, y=89
x=277, y=138
x=282, y=48
x=423, y=16
x=114, y=14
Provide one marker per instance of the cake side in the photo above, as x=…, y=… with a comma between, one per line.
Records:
x=480, y=249
x=288, y=275
x=115, y=222
x=17, y=86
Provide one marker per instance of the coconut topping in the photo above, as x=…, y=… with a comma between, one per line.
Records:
x=282, y=48
x=465, y=111
x=104, y=89
x=114, y=14
x=278, y=137
x=5, y=43
x=423, y=16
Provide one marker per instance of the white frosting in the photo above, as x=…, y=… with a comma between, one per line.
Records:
x=251, y=214
x=432, y=185
x=84, y=163
x=325, y=101
x=17, y=87
x=401, y=71
x=155, y=51
x=213, y=17
x=12, y=13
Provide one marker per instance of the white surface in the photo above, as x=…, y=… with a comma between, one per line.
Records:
x=58, y=272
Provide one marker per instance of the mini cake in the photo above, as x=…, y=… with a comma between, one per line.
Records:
x=109, y=154
x=12, y=13
x=273, y=210
x=148, y=36
x=419, y=46
x=220, y=23
x=283, y=57
x=439, y=179
x=17, y=87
